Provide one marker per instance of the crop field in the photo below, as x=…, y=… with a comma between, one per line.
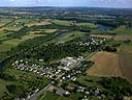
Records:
x=125, y=55
x=106, y=64
x=113, y=64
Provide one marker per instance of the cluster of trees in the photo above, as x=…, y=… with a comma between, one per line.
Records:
x=116, y=87
x=53, y=51
x=110, y=49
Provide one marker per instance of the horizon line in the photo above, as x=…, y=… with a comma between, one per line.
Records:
x=65, y=7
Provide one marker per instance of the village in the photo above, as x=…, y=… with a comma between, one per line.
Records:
x=66, y=69
x=66, y=64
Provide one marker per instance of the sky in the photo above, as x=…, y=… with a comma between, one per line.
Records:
x=69, y=3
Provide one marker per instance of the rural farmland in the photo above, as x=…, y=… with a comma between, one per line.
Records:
x=65, y=53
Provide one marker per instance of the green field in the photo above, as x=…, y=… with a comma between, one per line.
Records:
x=7, y=42
x=123, y=30
x=87, y=25
x=62, y=22
x=11, y=43
x=69, y=36
x=71, y=23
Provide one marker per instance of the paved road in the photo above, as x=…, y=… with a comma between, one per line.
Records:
x=35, y=96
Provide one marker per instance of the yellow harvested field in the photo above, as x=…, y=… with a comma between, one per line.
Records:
x=125, y=55
x=112, y=64
x=106, y=64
